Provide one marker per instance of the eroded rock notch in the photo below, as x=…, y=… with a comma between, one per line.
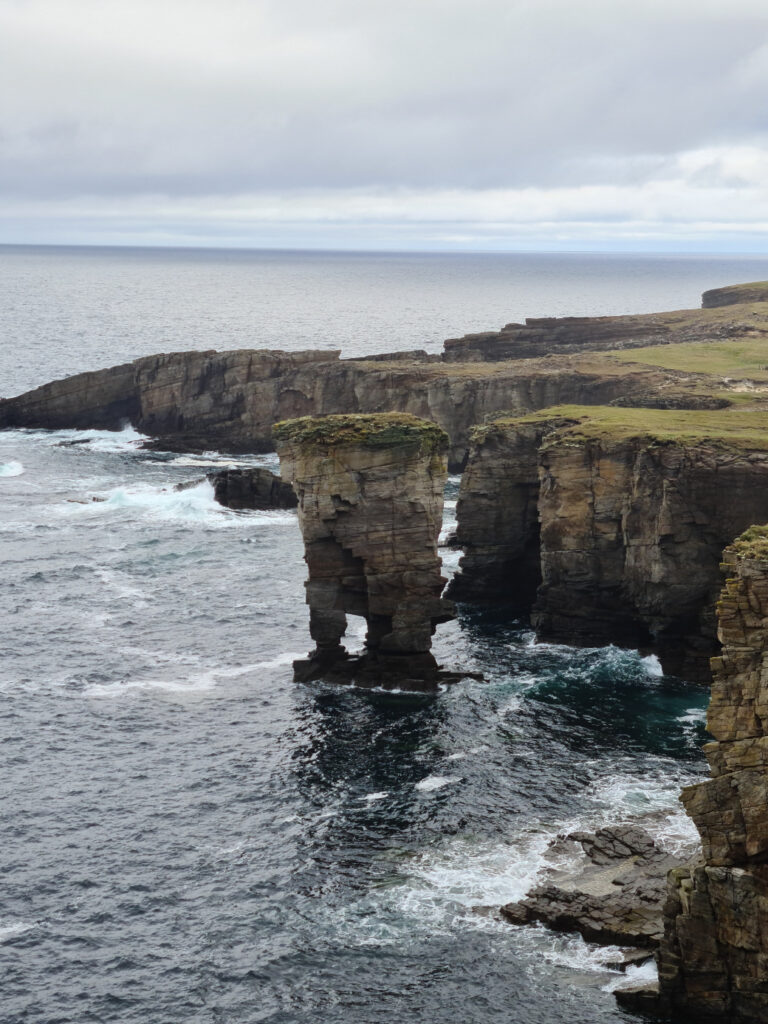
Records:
x=370, y=491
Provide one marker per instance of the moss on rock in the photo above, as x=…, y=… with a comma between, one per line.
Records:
x=374, y=430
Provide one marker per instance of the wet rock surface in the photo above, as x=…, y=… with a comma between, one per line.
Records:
x=370, y=492
x=613, y=893
x=252, y=489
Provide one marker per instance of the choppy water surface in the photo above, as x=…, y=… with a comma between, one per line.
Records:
x=189, y=836
x=67, y=309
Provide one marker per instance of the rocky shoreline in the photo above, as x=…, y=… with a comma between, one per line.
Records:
x=603, y=480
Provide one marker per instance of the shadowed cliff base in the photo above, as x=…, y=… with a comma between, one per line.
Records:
x=370, y=492
x=607, y=525
x=713, y=954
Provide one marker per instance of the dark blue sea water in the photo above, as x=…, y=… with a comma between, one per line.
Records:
x=188, y=836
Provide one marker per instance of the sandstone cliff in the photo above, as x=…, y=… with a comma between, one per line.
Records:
x=370, y=492
x=231, y=400
x=626, y=524
x=712, y=961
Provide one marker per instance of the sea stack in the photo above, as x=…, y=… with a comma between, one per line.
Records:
x=712, y=963
x=370, y=490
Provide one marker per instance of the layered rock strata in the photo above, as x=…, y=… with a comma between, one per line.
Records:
x=252, y=489
x=192, y=401
x=370, y=491
x=713, y=960
x=627, y=530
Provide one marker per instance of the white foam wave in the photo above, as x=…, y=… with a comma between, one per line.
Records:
x=627, y=797
x=372, y=798
x=123, y=440
x=652, y=666
x=10, y=931
x=645, y=974
x=467, y=874
x=193, y=504
x=693, y=716
x=573, y=952
x=433, y=782
x=12, y=468
x=195, y=684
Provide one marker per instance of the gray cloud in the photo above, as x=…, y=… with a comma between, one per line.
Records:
x=216, y=100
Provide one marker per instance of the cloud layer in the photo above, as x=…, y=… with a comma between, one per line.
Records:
x=490, y=123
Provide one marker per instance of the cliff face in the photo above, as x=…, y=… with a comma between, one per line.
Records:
x=200, y=399
x=631, y=535
x=370, y=492
x=627, y=532
x=231, y=400
x=735, y=294
x=498, y=516
x=715, y=949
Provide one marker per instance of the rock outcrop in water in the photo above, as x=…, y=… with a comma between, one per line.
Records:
x=712, y=961
x=611, y=529
x=612, y=891
x=254, y=488
x=370, y=492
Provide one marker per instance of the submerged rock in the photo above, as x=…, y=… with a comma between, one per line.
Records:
x=370, y=492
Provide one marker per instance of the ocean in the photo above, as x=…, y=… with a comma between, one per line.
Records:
x=189, y=836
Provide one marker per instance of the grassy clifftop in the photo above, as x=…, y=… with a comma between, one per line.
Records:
x=738, y=427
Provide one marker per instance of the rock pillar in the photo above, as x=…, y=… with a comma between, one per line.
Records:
x=370, y=491
x=713, y=962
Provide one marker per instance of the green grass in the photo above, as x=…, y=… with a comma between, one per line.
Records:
x=745, y=359
x=737, y=427
x=753, y=543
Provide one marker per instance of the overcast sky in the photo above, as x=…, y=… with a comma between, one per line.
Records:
x=413, y=124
